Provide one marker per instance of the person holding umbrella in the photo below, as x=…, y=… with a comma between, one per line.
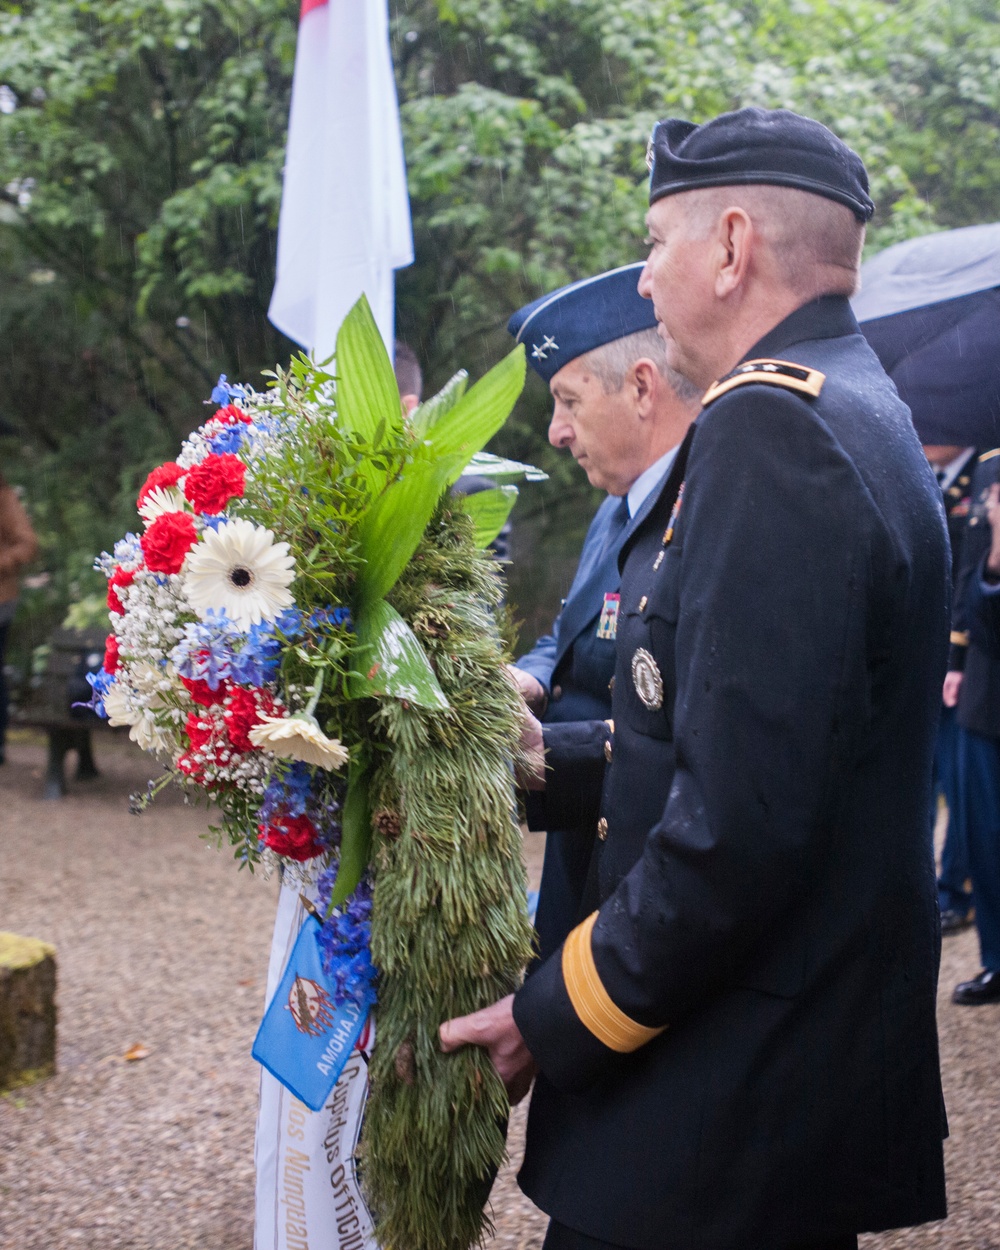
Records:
x=930, y=307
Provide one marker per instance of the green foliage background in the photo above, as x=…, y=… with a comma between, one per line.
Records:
x=140, y=184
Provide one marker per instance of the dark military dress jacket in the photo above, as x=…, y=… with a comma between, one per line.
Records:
x=974, y=636
x=575, y=664
x=738, y=1047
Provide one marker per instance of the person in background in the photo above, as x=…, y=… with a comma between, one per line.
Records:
x=973, y=682
x=621, y=412
x=18, y=547
x=952, y=467
x=410, y=381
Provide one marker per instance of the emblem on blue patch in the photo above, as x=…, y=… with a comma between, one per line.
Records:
x=607, y=626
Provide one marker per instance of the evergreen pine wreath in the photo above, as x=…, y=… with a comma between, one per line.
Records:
x=450, y=933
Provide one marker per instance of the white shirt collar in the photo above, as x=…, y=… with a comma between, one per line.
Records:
x=947, y=473
x=644, y=483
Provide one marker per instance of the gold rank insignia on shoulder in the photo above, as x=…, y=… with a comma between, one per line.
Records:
x=784, y=373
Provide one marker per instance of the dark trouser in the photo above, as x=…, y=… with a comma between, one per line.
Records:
x=4, y=696
x=952, y=892
x=979, y=783
x=559, y=1237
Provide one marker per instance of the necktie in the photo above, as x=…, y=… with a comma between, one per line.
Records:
x=619, y=519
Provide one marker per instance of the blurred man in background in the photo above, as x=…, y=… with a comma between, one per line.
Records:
x=953, y=468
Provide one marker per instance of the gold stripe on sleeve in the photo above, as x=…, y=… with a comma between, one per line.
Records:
x=591, y=1001
x=959, y=638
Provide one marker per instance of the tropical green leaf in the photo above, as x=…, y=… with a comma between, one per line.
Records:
x=393, y=525
x=425, y=416
x=486, y=465
x=391, y=661
x=489, y=510
x=477, y=416
x=368, y=402
x=356, y=832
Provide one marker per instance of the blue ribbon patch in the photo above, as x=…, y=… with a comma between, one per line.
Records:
x=304, y=1039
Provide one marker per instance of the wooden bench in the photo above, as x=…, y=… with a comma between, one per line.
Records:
x=47, y=703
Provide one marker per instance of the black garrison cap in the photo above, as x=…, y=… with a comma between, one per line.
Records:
x=770, y=146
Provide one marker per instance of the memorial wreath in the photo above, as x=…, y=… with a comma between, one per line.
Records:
x=306, y=632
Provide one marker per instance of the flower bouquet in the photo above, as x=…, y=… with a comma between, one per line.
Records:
x=305, y=632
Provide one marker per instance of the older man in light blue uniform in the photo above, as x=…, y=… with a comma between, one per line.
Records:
x=622, y=414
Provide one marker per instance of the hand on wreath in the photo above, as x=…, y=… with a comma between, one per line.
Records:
x=494, y=1030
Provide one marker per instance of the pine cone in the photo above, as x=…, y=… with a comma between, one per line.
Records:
x=405, y=1064
x=387, y=822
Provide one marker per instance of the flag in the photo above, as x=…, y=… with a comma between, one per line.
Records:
x=345, y=215
x=305, y=1039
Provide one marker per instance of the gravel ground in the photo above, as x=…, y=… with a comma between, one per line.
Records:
x=162, y=944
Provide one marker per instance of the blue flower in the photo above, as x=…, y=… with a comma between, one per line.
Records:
x=228, y=440
x=222, y=392
x=100, y=682
x=324, y=618
x=287, y=792
x=205, y=652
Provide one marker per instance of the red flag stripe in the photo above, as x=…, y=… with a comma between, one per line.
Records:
x=309, y=5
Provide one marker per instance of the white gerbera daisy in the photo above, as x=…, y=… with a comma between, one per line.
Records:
x=159, y=500
x=118, y=707
x=239, y=569
x=298, y=738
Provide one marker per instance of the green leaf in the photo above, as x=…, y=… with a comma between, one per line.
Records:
x=486, y=465
x=356, y=832
x=391, y=661
x=477, y=416
x=393, y=525
x=426, y=415
x=489, y=510
x=368, y=402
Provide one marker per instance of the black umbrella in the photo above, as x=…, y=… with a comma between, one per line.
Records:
x=930, y=307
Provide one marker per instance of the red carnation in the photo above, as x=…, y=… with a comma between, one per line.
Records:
x=295, y=837
x=165, y=475
x=111, y=654
x=210, y=485
x=241, y=716
x=230, y=415
x=199, y=730
x=119, y=578
x=203, y=693
x=168, y=540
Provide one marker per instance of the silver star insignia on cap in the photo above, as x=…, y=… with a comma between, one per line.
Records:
x=541, y=350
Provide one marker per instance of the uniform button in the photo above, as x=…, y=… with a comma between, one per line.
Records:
x=642, y=603
x=607, y=750
x=556, y=693
x=602, y=829
x=611, y=685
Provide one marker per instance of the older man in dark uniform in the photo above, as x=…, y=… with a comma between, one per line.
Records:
x=622, y=413
x=737, y=1049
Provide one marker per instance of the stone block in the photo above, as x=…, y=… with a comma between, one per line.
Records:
x=27, y=1010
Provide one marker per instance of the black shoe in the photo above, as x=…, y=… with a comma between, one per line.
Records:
x=982, y=989
x=954, y=921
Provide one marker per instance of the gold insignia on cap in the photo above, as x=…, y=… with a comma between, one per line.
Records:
x=647, y=680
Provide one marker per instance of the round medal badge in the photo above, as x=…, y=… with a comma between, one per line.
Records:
x=647, y=680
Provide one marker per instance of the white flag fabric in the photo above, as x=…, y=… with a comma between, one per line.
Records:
x=345, y=214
